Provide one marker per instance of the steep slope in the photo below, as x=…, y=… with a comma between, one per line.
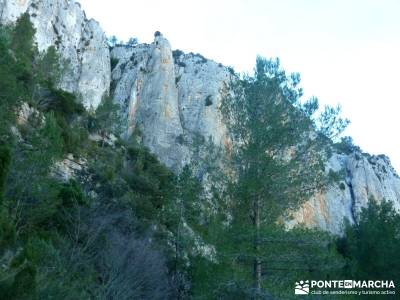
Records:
x=360, y=178
x=81, y=43
x=147, y=93
x=193, y=110
x=174, y=99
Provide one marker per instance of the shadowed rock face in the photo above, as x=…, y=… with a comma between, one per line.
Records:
x=81, y=43
x=174, y=99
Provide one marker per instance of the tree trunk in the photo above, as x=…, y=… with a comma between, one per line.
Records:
x=178, y=250
x=257, y=268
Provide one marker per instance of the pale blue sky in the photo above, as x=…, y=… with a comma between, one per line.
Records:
x=347, y=51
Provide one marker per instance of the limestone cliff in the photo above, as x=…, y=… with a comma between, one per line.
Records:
x=360, y=178
x=174, y=99
x=81, y=43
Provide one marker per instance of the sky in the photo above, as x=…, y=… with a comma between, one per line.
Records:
x=347, y=51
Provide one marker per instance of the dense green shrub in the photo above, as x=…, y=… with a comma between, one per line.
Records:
x=371, y=246
x=114, y=63
x=176, y=54
x=64, y=103
x=208, y=101
x=347, y=146
x=5, y=158
x=22, y=46
x=7, y=232
x=107, y=118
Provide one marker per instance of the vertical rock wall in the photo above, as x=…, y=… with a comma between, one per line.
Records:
x=175, y=101
x=362, y=178
x=171, y=98
x=81, y=43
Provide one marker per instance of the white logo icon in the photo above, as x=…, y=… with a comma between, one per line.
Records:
x=302, y=288
x=348, y=284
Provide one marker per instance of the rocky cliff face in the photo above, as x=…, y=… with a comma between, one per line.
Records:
x=174, y=99
x=81, y=43
x=171, y=96
x=359, y=179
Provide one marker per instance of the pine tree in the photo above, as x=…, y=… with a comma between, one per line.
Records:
x=24, y=50
x=277, y=162
x=10, y=89
x=31, y=188
x=107, y=118
x=4, y=164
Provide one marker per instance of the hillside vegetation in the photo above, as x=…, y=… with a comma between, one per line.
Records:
x=126, y=227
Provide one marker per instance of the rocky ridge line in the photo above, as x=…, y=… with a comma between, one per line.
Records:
x=183, y=103
x=174, y=99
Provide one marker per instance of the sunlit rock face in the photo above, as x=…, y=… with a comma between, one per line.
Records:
x=11, y=10
x=81, y=43
x=363, y=178
x=174, y=97
x=174, y=100
x=171, y=97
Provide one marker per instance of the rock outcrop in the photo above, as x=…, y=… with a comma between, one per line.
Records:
x=81, y=43
x=174, y=98
x=359, y=178
x=69, y=168
x=175, y=101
